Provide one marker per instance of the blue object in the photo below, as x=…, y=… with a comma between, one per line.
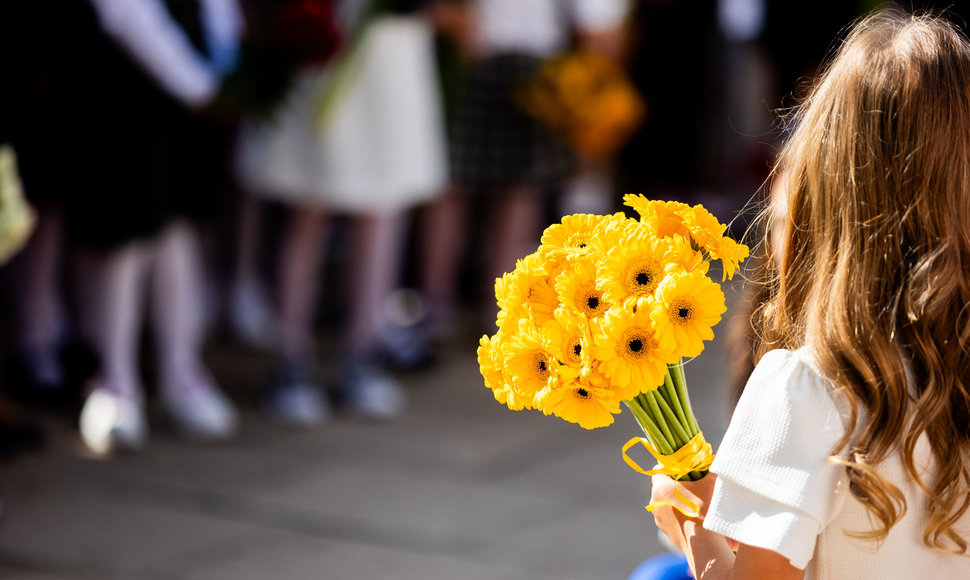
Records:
x=670, y=566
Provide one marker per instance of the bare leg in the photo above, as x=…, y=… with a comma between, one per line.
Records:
x=368, y=389
x=176, y=303
x=375, y=268
x=249, y=310
x=295, y=399
x=41, y=319
x=441, y=249
x=113, y=413
x=116, y=316
x=515, y=223
x=299, y=274
x=196, y=406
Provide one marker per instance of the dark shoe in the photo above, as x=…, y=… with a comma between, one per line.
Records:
x=295, y=400
x=370, y=391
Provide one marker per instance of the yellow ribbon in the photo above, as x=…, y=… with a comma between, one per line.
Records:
x=696, y=455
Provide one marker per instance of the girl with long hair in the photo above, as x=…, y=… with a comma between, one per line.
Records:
x=848, y=455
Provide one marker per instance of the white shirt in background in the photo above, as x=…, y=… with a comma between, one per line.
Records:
x=540, y=27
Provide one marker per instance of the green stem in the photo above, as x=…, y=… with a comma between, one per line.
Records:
x=649, y=427
x=670, y=394
x=680, y=431
x=679, y=380
x=662, y=422
x=680, y=384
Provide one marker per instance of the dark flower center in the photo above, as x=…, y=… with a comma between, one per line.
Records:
x=583, y=393
x=593, y=302
x=636, y=345
x=578, y=349
x=683, y=312
x=542, y=366
x=643, y=279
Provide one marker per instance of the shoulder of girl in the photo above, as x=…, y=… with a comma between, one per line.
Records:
x=792, y=371
x=794, y=375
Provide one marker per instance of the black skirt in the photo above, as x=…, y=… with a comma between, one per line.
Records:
x=494, y=145
x=121, y=156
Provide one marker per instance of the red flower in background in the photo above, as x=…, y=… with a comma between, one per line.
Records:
x=306, y=31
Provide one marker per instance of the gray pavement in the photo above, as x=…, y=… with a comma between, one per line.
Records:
x=459, y=488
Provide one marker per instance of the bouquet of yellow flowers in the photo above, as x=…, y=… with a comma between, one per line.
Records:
x=587, y=99
x=603, y=314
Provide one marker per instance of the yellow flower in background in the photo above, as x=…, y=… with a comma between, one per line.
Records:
x=632, y=355
x=589, y=406
x=633, y=269
x=490, y=363
x=576, y=288
x=528, y=367
x=587, y=99
x=688, y=306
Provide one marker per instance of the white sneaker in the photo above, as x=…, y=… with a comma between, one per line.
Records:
x=198, y=410
x=372, y=393
x=113, y=422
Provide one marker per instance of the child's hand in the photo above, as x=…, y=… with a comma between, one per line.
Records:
x=672, y=522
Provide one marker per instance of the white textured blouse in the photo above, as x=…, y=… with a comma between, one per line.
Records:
x=777, y=489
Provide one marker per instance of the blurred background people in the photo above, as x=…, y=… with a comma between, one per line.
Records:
x=130, y=160
x=502, y=161
x=360, y=139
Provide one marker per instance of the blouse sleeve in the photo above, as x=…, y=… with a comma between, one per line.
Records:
x=776, y=487
x=146, y=31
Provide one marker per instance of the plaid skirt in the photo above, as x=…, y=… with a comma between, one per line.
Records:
x=494, y=145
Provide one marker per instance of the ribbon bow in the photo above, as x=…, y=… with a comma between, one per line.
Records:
x=696, y=455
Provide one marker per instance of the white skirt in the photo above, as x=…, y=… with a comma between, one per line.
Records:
x=381, y=146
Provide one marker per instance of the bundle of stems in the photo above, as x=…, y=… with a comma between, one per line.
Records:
x=666, y=417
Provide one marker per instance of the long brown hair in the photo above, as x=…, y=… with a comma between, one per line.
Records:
x=872, y=265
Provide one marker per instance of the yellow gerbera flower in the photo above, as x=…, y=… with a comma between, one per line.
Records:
x=731, y=255
x=703, y=226
x=634, y=268
x=567, y=337
x=527, y=366
x=662, y=217
x=572, y=235
x=490, y=363
x=609, y=232
x=527, y=293
x=688, y=306
x=591, y=407
x=682, y=256
x=577, y=290
x=631, y=354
